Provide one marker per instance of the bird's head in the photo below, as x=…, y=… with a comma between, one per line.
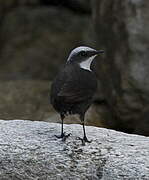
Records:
x=83, y=56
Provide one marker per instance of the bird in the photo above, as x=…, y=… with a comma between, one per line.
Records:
x=73, y=88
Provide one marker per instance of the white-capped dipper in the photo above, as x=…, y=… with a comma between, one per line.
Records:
x=73, y=88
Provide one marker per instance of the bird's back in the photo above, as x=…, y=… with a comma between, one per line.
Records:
x=73, y=89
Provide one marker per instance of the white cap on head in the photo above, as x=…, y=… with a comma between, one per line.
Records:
x=79, y=49
x=86, y=63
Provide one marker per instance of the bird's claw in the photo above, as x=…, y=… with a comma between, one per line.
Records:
x=63, y=136
x=84, y=139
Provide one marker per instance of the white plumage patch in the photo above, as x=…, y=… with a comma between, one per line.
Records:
x=79, y=49
x=87, y=63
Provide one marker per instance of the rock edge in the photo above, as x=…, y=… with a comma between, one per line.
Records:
x=29, y=150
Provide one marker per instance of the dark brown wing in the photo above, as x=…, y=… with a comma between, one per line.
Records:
x=80, y=85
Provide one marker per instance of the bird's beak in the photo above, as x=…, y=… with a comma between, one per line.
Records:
x=96, y=52
x=100, y=51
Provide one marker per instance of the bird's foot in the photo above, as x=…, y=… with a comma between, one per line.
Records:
x=63, y=136
x=84, y=140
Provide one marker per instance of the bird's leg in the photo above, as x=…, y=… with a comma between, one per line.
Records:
x=84, y=139
x=63, y=135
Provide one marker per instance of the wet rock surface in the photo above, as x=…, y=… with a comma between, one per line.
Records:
x=29, y=150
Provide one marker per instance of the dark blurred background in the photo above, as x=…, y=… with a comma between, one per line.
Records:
x=36, y=37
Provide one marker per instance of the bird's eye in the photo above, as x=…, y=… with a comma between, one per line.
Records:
x=83, y=53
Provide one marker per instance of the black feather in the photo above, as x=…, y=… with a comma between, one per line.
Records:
x=73, y=89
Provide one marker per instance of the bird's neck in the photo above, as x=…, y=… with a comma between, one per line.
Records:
x=87, y=63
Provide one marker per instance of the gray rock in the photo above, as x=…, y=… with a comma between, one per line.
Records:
x=25, y=99
x=122, y=29
x=34, y=43
x=30, y=99
x=29, y=150
x=37, y=41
